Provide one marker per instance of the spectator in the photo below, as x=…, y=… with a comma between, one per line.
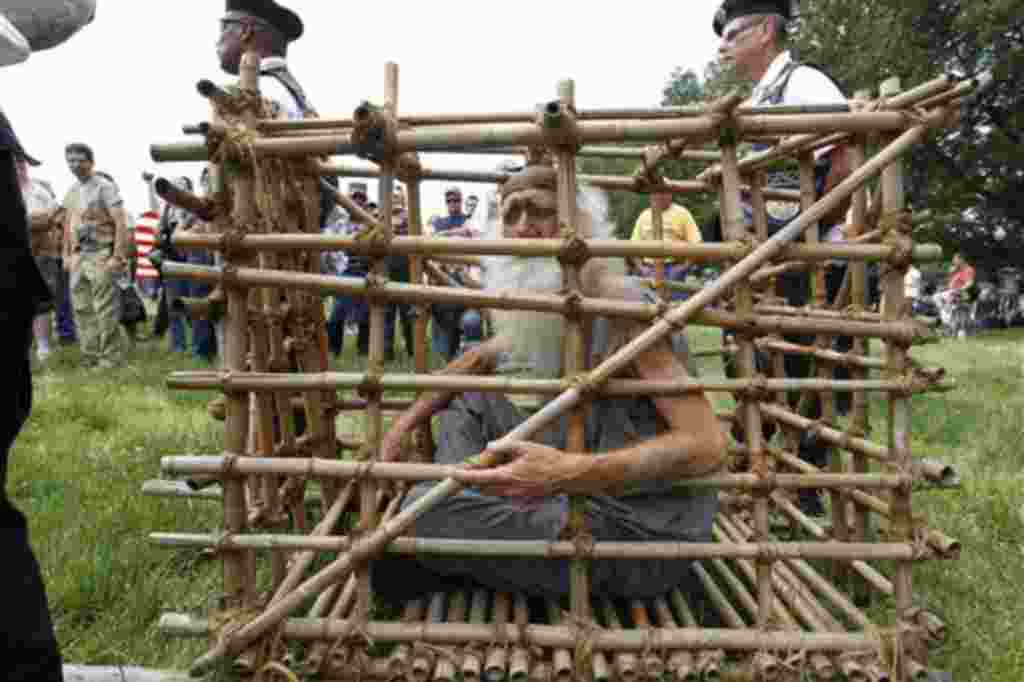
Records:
x=349, y=309
x=96, y=255
x=446, y=330
x=204, y=339
x=173, y=219
x=677, y=225
x=399, y=270
x=44, y=222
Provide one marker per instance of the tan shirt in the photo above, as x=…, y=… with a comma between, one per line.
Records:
x=92, y=226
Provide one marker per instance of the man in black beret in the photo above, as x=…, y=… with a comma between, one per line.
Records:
x=28, y=647
x=267, y=28
x=754, y=36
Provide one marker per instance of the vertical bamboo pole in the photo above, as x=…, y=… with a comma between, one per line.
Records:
x=414, y=201
x=239, y=566
x=653, y=665
x=732, y=222
x=575, y=359
x=519, y=661
x=472, y=662
x=561, y=659
x=680, y=663
x=901, y=523
x=398, y=661
x=626, y=662
x=375, y=366
x=496, y=665
x=660, y=264
x=861, y=346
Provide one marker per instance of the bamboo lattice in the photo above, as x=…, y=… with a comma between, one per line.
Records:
x=775, y=594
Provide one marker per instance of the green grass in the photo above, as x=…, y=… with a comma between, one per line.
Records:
x=93, y=438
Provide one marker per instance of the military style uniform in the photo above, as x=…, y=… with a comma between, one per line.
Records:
x=94, y=292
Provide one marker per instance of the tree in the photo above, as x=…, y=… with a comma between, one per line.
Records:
x=971, y=176
x=683, y=87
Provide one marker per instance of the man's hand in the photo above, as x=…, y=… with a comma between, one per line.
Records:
x=393, y=444
x=534, y=471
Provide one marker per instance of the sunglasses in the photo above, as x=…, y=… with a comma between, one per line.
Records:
x=731, y=36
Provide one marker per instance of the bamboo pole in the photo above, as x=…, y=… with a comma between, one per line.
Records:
x=626, y=663
x=554, y=550
x=496, y=663
x=271, y=383
x=400, y=659
x=440, y=138
x=899, y=414
x=906, y=331
x=519, y=661
x=653, y=666
x=472, y=659
x=551, y=248
x=239, y=567
x=574, y=348
x=680, y=663
x=402, y=471
x=699, y=639
x=561, y=659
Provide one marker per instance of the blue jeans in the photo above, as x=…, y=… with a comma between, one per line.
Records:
x=204, y=340
x=65, y=315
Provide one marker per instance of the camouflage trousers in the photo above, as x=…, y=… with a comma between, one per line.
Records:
x=94, y=297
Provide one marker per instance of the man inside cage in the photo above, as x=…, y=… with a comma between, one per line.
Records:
x=636, y=448
x=753, y=40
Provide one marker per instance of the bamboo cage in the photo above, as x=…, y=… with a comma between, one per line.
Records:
x=775, y=594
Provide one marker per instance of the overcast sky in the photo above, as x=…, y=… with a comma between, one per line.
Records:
x=128, y=79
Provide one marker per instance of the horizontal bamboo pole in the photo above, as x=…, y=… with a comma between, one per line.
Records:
x=180, y=489
x=314, y=629
x=550, y=248
x=275, y=126
x=412, y=471
x=907, y=333
x=264, y=382
x=543, y=549
x=585, y=132
x=120, y=673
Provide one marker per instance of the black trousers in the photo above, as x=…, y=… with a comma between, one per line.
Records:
x=28, y=646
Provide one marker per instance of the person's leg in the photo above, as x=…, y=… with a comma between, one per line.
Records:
x=390, y=313
x=176, y=289
x=407, y=315
x=204, y=344
x=65, y=316
x=85, y=316
x=107, y=306
x=41, y=332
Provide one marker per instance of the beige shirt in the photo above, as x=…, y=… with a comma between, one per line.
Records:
x=91, y=214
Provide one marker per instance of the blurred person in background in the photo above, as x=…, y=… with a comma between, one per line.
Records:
x=95, y=254
x=45, y=220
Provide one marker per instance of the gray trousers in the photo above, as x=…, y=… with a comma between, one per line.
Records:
x=466, y=427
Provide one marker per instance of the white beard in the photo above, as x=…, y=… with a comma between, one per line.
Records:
x=535, y=340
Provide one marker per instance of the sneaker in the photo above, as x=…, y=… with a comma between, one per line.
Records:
x=42, y=354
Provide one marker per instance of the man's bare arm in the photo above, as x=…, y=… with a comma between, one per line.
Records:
x=122, y=241
x=693, y=446
x=479, y=360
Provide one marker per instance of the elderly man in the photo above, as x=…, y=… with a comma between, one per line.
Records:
x=96, y=253
x=754, y=34
x=636, y=448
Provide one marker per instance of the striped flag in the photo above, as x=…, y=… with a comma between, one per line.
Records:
x=145, y=238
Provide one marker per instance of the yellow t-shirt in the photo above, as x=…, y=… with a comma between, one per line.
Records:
x=677, y=225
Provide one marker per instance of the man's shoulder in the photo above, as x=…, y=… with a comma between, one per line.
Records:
x=809, y=84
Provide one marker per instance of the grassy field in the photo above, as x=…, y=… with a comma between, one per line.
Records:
x=94, y=437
